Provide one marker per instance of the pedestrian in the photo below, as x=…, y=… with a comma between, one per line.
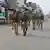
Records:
x=34, y=20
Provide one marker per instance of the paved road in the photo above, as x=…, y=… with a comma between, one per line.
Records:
x=35, y=40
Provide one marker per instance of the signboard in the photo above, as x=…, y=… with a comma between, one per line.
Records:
x=2, y=14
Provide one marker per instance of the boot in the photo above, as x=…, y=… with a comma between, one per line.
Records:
x=24, y=33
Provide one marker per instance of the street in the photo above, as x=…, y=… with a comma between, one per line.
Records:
x=35, y=40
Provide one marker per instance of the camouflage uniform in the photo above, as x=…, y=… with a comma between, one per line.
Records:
x=34, y=20
x=25, y=27
x=38, y=21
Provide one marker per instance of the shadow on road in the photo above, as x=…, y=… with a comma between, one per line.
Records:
x=44, y=37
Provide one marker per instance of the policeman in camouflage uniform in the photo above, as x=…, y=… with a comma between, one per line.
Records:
x=34, y=20
x=38, y=19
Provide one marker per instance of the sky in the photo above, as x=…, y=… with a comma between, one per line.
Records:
x=44, y=4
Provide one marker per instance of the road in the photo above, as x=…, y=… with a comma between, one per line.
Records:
x=35, y=40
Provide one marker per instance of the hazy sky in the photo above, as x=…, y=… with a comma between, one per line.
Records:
x=45, y=4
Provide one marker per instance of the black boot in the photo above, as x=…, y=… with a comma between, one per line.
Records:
x=33, y=28
x=24, y=34
x=16, y=33
x=33, y=25
x=26, y=29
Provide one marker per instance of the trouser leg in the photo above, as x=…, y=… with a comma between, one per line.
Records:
x=16, y=28
x=25, y=27
x=33, y=24
x=41, y=24
x=38, y=23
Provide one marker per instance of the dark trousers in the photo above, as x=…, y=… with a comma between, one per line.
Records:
x=41, y=24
